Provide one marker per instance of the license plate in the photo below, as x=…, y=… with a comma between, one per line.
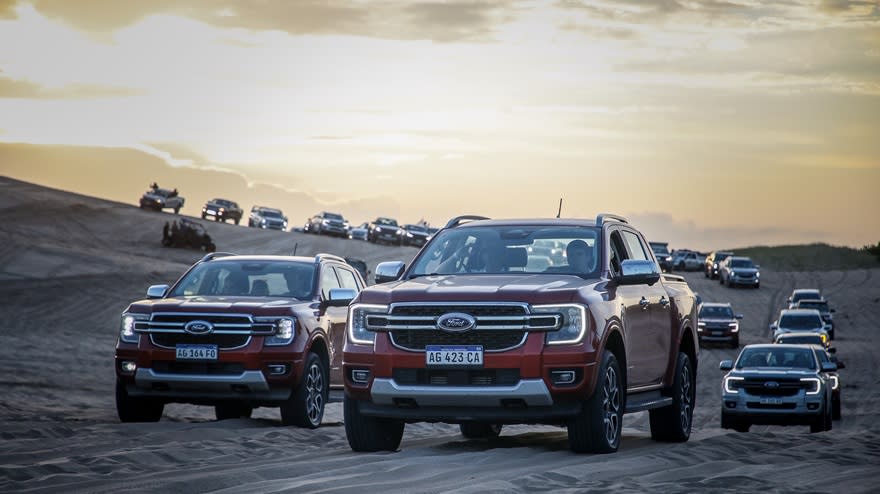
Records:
x=196, y=352
x=771, y=401
x=454, y=356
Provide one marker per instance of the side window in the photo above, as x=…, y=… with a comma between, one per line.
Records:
x=618, y=252
x=328, y=281
x=636, y=249
x=347, y=278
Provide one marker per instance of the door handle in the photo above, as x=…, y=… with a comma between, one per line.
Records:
x=644, y=303
x=664, y=301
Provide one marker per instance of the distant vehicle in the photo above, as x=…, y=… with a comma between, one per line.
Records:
x=803, y=338
x=799, y=320
x=359, y=232
x=236, y=333
x=799, y=294
x=267, y=218
x=822, y=307
x=222, y=210
x=415, y=235
x=777, y=384
x=736, y=270
x=717, y=322
x=664, y=258
x=689, y=261
x=383, y=230
x=327, y=223
x=187, y=233
x=158, y=199
x=712, y=262
x=825, y=356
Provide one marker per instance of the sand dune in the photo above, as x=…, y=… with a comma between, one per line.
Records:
x=69, y=265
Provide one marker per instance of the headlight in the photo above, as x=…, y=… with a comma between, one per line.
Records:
x=283, y=333
x=408, y=234
x=813, y=385
x=757, y=274
x=715, y=265
x=834, y=381
x=263, y=221
x=668, y=258
x=126, y=329
x=733, y=326
x=400, y=231
x=732, y=384
x=357, y=322
x=574, y=323
x=325, y=222
x=732, y=273
x=701, y=324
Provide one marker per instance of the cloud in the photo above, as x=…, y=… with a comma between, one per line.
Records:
x=838, y=6
x=20, y=88
x=435, y=20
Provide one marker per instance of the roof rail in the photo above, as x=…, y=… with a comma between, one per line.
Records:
x=600, y=220
x=212, y=255
x=332, y=257
x=461, y=219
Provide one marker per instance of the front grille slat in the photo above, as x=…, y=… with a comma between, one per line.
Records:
x=445, y=377
x=757, y=387
x=223, y=341
x=241, y=326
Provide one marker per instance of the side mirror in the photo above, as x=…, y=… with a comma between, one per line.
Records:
x=774, y=326
x=638, y=272
x=739, y=316
x=389, y=271
x=829, y=367
x=340, y=297
x=726, y=365
x=833, y=310
x=157, y=291
x=757, y=266
x=832, y=350
x=840, y=365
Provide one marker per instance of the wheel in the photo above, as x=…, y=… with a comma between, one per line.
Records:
x=742, y=426
x=136, y=409
x=203, y=215
x=727, y=422
x=237, y=220
x=177, y=210
x=673, y=423
x=370, y=433
x=598, y=427
x=479, y=430
x=233, y=410
x=305, y=407
x=734, y=343
x=835, y=408
x=757, y=285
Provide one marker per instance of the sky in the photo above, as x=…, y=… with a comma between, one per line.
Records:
x=731, y=122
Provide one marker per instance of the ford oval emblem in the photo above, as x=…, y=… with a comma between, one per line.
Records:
x=198, y=327
x=456, y=322
x=771, y=384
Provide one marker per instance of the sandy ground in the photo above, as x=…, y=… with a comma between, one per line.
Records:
x=70, y=264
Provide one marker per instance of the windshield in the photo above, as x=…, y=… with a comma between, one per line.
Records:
x=809, y=304
x=510, y=249
x=248, y=279
x=272, y=213
x=416, y=228
x=333, y=216
x=386, y=221
x=800, y=321
x=805, y=296
x=720, y=257
x=741, y=263
x=716, y=312
x=801, y=358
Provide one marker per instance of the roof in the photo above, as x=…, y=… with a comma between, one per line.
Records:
x=530, y=222
x=716, y=304
x=799, y=312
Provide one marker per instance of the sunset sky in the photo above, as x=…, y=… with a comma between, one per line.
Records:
x=737, y=121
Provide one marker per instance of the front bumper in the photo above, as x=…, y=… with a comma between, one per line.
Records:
x=744, y=280
x=800, y=409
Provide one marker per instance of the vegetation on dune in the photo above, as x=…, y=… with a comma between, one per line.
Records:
x=812, y=257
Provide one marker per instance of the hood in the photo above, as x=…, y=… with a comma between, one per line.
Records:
x=744, y=270
x=717, y=320
x=773, y=373
x=533, y=288
x=155, y=197
x=234, y=305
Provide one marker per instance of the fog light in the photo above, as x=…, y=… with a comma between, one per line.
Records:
x=563, y=376
x=360, y=376
x=812, y=406
x=277, y=369
x=730, y=404
x=127, y=366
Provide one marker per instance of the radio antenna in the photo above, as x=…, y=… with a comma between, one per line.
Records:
x=559, y=213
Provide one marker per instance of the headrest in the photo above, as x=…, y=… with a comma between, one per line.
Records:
x=517, y=257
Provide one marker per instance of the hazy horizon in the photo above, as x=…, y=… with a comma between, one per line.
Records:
x=709, y=124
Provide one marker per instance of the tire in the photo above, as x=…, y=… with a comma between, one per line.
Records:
x=742, y=426
x=757, y=285
x=305, y=407
x=727, y=422
x=237, y=220
x=479, y=430
x=735, y=342
x=177, y=210
x=136, y=409
x=366, y=434
x=203, y=215
x=598, y=427
x=835, y=409
x=233, y=410
x=673, y=423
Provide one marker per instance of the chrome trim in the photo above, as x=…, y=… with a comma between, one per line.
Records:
x=532, y=391
x=223, y=328
x=254, y=380
x=499, y=350
x=431, y=321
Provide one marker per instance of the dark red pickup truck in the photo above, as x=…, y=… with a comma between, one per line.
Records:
x=545, y=321
x=238, y=332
